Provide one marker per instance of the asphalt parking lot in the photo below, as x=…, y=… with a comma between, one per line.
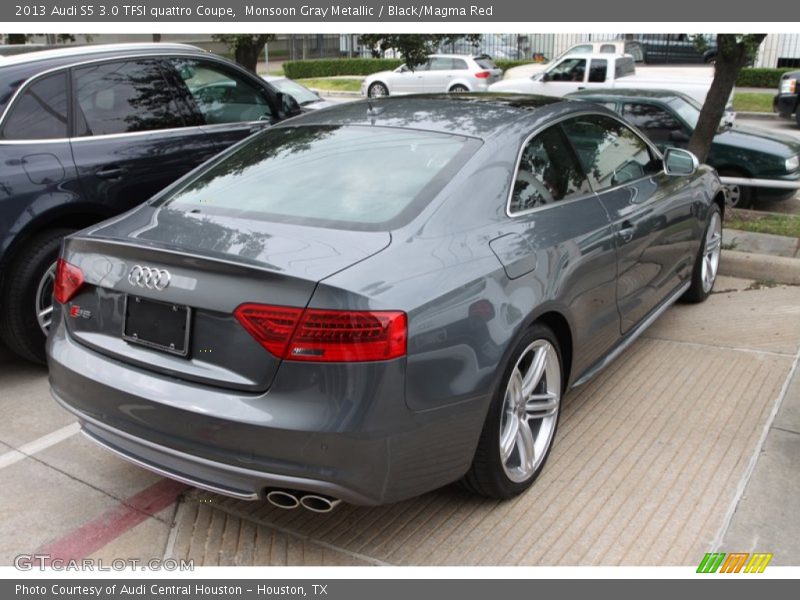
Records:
x=686, y=443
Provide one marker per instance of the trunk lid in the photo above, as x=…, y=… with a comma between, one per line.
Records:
x=214, y=264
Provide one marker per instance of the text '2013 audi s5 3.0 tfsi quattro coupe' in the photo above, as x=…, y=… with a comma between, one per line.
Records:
x=369, y=302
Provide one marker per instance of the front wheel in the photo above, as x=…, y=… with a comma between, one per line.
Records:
x=377, y=90
x=706, y=265
x=521, y=424
x=737, y=196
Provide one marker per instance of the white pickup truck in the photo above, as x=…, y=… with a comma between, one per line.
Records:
x=582, y=71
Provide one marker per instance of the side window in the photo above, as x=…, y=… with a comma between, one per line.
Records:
x=222, y=96
x=611, y=154
x=439, y=63
x=548, y=172
x=598, y=70
x=625, y=66
x=461, y=65
x=582, y=48
x=121, y=97
x=40, y=112
x=570, y=69
x=659, y=125
x=608, y=49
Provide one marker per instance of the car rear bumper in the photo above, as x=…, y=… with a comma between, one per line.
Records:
x=785, y=104
x=337, y=431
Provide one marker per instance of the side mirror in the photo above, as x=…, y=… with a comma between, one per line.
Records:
x=289, y=106
x=546, y=77
x=678, y=162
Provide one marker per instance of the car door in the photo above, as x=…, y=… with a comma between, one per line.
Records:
x=652, y=213
x=597, y=74
x=229, y=104
x=567, y=76
x=439, y=75
x=38, y=173
x=560, y=232
x=130, y=139
x=408, y=81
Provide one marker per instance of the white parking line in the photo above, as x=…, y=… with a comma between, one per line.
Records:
x=44, y=442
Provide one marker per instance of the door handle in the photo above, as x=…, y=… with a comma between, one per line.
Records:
x=581, y=87
x=626, y=231
x=111, y=172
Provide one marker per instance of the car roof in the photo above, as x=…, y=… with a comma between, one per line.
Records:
x=645, y=94
x=94, y=50
x=481, y=115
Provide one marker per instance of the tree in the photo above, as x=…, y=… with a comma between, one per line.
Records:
x=246, y=47
x=734, y=51
x=414, y=48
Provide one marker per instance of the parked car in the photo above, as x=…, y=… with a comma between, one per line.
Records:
x=583, y=71
x=306, y=98
x=676, y=48
x=669, y=118
x=371, y=301
x=441, y=73
x=787, y=101
x=92, y=131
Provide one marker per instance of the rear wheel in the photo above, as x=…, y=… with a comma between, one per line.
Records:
x=377, y=90
x=28, y=295
x=737, y=196
x=458, y=89
x=706, y=265
x=522, y=419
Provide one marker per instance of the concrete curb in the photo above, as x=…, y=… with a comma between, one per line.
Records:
x=765, y=116
x=760, y=267
x=336, y=93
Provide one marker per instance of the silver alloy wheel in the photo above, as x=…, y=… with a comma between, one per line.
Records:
x=377, y=90
x=44, y=299
x=530, y=410
x=711, y=251
x=733, y=195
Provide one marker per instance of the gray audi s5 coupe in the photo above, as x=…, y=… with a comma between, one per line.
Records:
x=374, y=300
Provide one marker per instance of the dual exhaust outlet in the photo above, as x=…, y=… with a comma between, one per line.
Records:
x=289, y=499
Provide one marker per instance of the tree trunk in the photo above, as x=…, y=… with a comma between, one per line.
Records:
x=247, y=56
x=731, y=57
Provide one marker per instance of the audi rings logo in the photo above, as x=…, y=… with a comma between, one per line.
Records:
x=149, y=277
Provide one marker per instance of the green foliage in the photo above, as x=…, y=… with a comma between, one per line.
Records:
x=414, y=48
x=331, y=67
x=766, y=78
x=506, y=64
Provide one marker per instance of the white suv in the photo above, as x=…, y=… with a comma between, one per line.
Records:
x=441, y=73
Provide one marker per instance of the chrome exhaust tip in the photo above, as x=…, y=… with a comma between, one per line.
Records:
x=319, y=504
x=283, y=499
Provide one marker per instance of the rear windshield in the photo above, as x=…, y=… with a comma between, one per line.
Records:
x=348, y=177
x=484, y=62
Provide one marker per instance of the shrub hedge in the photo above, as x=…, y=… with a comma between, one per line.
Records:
x=330, y=67
x=766, y=78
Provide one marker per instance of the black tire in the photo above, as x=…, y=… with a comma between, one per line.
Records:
x=487, y=475
x=745, y=196
x=377, y=90
x=797, y=116
x=19, y=327
x=697, y=292
x=458, y=89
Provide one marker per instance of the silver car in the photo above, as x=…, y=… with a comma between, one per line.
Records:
x=441, y=73
x=368, y=302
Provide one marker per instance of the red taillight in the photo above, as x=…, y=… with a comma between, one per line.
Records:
x=326, y=335
x=483, y=74
x=69, y=280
